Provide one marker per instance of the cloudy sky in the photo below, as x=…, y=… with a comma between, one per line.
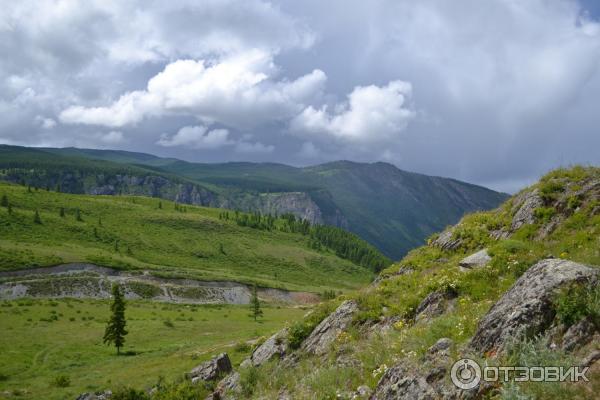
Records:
x=493, y=92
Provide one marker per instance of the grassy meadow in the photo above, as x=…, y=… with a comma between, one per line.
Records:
x=140, y=233
x=45, y=342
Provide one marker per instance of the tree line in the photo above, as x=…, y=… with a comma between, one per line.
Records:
x=346, y=245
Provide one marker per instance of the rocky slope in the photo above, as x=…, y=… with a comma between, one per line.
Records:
x=516, y=286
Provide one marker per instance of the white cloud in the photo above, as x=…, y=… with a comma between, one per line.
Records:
x=371, y=114
x=253, y=148
x=45, y=123
x=237, y=91
x=197, y=137
x=309, y=150
x=112, y=137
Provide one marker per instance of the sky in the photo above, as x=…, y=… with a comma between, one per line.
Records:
x=495, y=93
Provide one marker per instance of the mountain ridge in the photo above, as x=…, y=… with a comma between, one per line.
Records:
x=393, y=209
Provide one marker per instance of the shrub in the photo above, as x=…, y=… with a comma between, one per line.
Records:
x=544, y=214
x=248, y=380
x=241, y=347
x=61, y=381
x=168, y=323
x=127, y=393
x=576, y=302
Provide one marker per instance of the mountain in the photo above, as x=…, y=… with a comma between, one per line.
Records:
x=393, y=209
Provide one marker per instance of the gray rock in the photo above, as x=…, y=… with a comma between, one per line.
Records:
x=442, y=346
x=527, y=307
x=276, y=345
x=107, y=394
x=363, y=391
x=446, y=241
x=526, y=202
x=228, y=388
x=579, y=334
x=475, y=260
x=433, y=305
x=211, y=370
x=591, y=359
x=326, y=332
x=399, y=384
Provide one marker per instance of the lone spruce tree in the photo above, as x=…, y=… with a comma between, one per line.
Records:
x=115, y=329
x=36, y=218
x=4, y=201
x=256, y=310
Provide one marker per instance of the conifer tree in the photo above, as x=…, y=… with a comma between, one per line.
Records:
x=115, y=329
x=36, y=218
x=78, y=215
x=9, y=209
x=62, y=212
x=160, y=205
x=4, y=201
x=255, y=303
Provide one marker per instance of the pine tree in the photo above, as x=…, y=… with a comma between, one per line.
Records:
x=221, y=249
x=160, y=205
x=99, y=221
x=115, y=328
x=62, y=212
x=78, y=215
x=28, y=188
x=96, y=232
x=255, y=303
x=9, y=209
x=36, y=218
x=117, y=246
x=4, y=201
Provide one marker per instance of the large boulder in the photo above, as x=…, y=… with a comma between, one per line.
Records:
x=276, y=345
x=475, y=260
x=212, y=369
x=527, y=307
x=327, y=331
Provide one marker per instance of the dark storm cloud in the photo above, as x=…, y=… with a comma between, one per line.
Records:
x=495, y=95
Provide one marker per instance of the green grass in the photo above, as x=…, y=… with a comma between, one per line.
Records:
x=54, y=350
x=133, y=233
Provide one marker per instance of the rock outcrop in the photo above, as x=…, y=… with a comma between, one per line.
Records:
x=107, y=394
x=326, y=332
x=579, y=334
x=447, y=241
x=475, y=260
x=527, y=307
x=436, y=303
x=399, y=384
x=525, y=204
x=211, y=370
x=276, y=345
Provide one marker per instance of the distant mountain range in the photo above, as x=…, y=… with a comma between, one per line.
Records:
x=393, y=209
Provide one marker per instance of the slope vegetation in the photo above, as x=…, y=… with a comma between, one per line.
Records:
x=43, y=228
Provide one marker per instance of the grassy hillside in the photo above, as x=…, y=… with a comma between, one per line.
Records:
x=566, y=224
x=392, y=209
x=165, y=340
x=136, y=233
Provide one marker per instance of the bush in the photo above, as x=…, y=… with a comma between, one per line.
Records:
x=61, y=381
x=544, y=214
x=248, y=380
x=241, y=347
x=127, y=393
x=576, y=302
x=168, y=323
